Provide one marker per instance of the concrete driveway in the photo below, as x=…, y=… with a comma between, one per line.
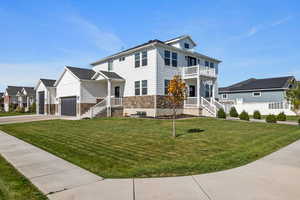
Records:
x=274, y=177
x=25, y=118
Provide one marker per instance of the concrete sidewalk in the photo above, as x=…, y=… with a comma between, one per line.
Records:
x=292, y=123
x=275, y=177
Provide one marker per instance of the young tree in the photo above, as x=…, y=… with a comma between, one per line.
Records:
x=293, y=95
x=176, y=95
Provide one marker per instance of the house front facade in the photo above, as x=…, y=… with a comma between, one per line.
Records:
x=46, y=97
x=136, y=80
x=18, y=96
x=265, y=95
x=1, y=101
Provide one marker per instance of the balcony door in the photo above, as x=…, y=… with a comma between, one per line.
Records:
x=192, y=91
x=191, y=61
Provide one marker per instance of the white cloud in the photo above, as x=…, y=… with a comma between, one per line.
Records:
x=253, y=31
x=104, y=40
x=281, y=21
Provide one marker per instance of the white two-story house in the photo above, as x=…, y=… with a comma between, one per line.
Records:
x=136, y=80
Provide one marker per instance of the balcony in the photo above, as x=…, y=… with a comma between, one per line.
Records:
x=198, y=70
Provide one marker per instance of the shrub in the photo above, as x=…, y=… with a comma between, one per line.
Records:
x=20, y=109
x=221, y=113
x=244, y=116
x=256, y=115
x=32, y=108
x=233, y=112
x=271, y=119
x=299, y=121
x=281, y=117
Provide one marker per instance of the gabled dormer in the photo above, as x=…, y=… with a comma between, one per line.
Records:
x=184, y=42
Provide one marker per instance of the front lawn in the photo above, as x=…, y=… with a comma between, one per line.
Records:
x=127, y=147
x=13, y=186
x=7, y=114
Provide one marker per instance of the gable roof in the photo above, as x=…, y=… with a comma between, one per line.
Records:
x=111, y=75
x=259, y=84
x=182, y=37
x=29, y=90
x=151, y=43
x=13, y=90
x=48, y=82
x=82, y=73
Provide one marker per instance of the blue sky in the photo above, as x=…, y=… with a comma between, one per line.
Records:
x=253, y=38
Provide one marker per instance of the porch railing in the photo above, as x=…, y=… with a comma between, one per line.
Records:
x=190, y=102
x=198, y=70
x=116, y=101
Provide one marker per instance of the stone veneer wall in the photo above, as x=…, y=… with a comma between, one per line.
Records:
x=139, y=102
x=50, y=110
x=163, y=103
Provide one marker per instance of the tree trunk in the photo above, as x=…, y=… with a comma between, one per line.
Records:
x=174, y=127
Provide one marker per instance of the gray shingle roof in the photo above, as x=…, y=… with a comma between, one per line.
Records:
x=111, y=75
x=13, y=90
x=82, y=73
x=30, y=91
x=48, y=82
x=256, y=84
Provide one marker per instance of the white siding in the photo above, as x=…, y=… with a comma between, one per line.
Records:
x=127, y=70
x=90, y=90
x=68, y=86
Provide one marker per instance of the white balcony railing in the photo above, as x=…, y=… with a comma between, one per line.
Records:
x=198, y=70
x=191, y=102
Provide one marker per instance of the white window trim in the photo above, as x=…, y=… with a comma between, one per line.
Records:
x=225, y=95
x=256, y=95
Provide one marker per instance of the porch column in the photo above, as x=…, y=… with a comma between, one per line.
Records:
x=27, y=100
x=198, y=92
x=214, y=89
x=108, y=98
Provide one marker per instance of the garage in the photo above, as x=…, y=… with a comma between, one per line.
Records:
x=41, y=103
x=68, y=106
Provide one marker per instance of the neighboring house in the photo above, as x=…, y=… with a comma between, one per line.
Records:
x=26, y=97
x=15, y=96
x=10, y=97
x=46, y=97
x=136, y=80
x=1, y=101
x=266, y=95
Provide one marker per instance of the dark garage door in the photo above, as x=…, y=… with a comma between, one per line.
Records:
x=68, y=106
x=41, y=103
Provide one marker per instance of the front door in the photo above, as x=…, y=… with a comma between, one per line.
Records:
x=41, y=103
x=191, y=61
x=192, y=91
x=117, y=91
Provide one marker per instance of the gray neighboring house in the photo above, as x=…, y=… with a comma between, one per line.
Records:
x=266, y=95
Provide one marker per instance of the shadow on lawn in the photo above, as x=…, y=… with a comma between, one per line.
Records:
x=193, y=130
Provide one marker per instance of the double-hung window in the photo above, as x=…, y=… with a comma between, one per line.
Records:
x=137, y=88
x=137, y=59
x=206, y=63
x=110, y=65
x=144, y=58
x=167, y=58
x=144, y=87
x=167, y=82
x=225, y=96
x=186, y=45
x=211, y=65
x=174, y=59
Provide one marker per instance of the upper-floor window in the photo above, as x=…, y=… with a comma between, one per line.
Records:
x=137, y=59
x=110, y=65
x=256, y=94
x=137, y=88
x=206, y=63
x=144, y=58
x=122, y=59
x=167, y=82
x=224, y=96
x=144, y=87
x=167, y=57
x=212, y=65
x=186, y=45
x=174, y=59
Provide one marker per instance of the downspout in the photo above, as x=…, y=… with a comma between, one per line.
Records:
x=156, y=81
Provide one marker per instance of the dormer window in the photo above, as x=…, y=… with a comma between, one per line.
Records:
x=186, y=45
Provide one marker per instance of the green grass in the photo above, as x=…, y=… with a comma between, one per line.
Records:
x=13, y=186
x=7, y=114
x=144, y=147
